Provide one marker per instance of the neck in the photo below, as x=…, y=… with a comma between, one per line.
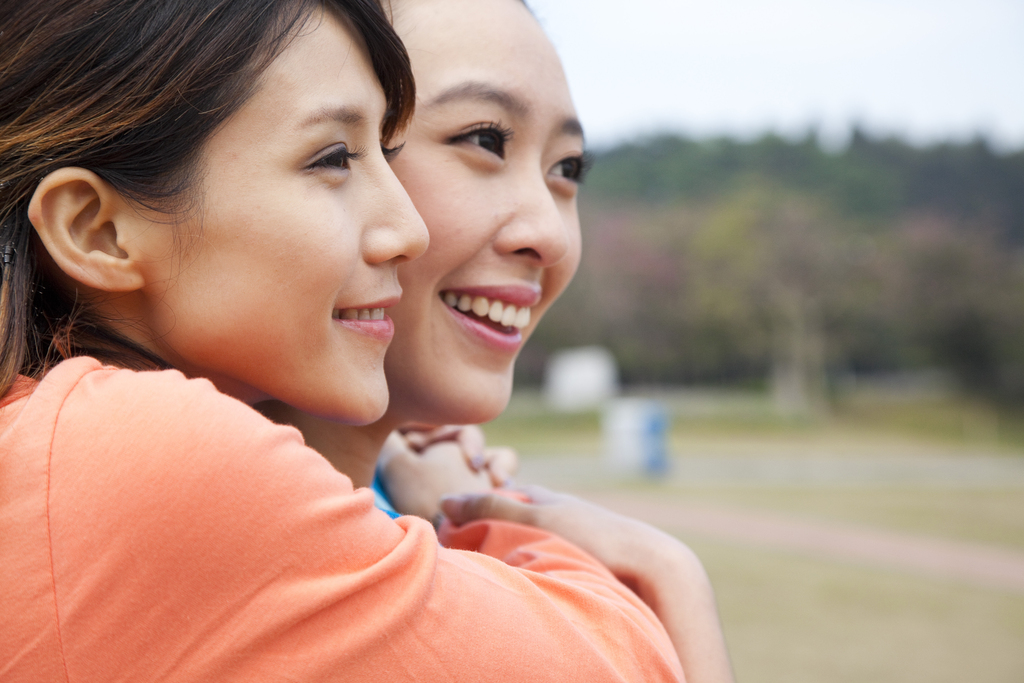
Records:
x=352, y=450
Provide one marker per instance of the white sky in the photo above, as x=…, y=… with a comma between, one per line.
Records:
x=924, y=69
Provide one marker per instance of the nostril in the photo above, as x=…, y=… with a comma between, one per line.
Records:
x=528, y=251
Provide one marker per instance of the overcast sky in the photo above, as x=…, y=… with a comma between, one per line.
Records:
x=924, y=69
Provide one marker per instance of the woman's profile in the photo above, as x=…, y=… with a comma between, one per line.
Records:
x=492, y=160
x=198, y=214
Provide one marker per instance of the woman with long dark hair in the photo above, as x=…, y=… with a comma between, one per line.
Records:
x=197, y=214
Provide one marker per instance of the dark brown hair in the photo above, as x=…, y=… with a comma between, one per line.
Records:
x=131, y=90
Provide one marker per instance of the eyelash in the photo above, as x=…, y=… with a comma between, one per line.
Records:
x=501, y=135
x=340, y=153
x=391, y=152
x=582, y=165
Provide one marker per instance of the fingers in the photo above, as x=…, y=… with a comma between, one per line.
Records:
x=501, y=463
x=394, y=445
x=465, y=508
x=472, y=440
x=417, y=481
x=469, y=437
x=419, y=437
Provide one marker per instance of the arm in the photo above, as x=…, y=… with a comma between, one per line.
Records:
x=663, y=572
x=223, y=549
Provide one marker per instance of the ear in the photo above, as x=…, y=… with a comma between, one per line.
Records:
x=88, y=230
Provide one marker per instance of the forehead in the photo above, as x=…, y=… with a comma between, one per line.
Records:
x=497, y=42
x=322, y=74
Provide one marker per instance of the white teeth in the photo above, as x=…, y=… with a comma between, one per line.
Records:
x=481, y=306
x=509, y=316
x=359, y=314
x=505, y=314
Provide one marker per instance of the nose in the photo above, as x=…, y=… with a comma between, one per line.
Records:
x=536, y=227
x=398, y=234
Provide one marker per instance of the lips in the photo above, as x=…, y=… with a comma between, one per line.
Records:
x=503, y=316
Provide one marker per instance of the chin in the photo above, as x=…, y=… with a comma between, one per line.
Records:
x=475, y=401
x=369, y=406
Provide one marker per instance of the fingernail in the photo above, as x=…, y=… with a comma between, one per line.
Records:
x=477, y=462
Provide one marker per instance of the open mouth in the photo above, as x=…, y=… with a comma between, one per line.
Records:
x=498, y=315
x=358, y=314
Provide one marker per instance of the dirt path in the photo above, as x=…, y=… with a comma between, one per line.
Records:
x=974, y=563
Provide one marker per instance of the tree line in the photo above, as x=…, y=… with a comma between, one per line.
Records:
x=777, y=260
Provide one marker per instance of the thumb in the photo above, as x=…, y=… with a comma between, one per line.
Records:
x=465, y=508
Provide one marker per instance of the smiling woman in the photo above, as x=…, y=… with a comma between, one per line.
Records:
x=203, y=185
x=115, y=206
x=492, y=160
x=316, y=184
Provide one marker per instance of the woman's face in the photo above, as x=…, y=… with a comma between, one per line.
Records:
x=283, y=290
x=491, y=162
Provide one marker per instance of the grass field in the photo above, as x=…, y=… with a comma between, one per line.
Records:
x=937, y=471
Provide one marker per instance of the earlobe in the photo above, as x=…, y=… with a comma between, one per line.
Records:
x=85, y=224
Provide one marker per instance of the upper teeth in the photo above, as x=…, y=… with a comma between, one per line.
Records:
x=358, y=314
x=503, y=313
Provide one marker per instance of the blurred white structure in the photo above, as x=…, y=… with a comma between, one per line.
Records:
x=636, y=436
x=580, y=378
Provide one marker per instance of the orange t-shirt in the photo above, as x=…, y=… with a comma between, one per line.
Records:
x=152, y=528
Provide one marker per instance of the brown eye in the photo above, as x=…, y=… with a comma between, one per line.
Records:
x=338, y=157
x=572, y=168
x=489, y=136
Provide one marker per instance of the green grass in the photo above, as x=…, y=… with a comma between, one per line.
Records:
x=989, y=516
x=791, y=619
x=952, y=419
x=949, y=420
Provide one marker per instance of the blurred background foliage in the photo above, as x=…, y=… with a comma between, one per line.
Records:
x=778, y=263
x=838, y=337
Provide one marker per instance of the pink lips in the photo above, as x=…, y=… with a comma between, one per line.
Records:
x=508, y=343
x=382, y=330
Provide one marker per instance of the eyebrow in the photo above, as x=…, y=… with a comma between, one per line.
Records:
x=572, y=126
x=481, y=91
x=341, y=114
x=475, y=90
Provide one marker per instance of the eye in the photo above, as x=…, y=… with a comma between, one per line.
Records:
x=391, y=152
x=573, y=168
x=489, y=136
x=338, y=157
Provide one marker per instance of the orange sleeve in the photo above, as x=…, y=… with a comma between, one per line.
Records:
x=191, y=539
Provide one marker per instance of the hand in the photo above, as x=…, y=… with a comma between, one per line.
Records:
x=416, y=479
x=500, y=462
x=660, y=569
